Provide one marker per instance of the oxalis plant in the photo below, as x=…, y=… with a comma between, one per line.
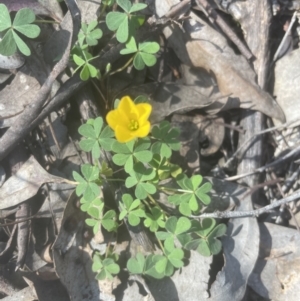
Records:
x=144, y=155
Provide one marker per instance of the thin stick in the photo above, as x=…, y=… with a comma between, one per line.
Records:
x=282, y=159
x=252, y=213
x=282, y=126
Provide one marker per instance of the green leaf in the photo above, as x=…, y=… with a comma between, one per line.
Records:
x=29, y=30
x=85, y=73
x=78, y=60
x=91, y=222
x=21, y=45
x=202, y=193
x=114, y=20
x=91, y=173
x=136, y=265
x=24, y=16
x=123, y=31
x=5, y=20
x=155, y=219
x=7, y=44
x=149, y=267
x=137, y=6
x=93, y=71
x=138, y=62
x=178, y=226
x=125, y=5
x=149, y=59
x=167, y=139
x=95, y=137
x=149, y=47
x=133, y=219
x=205, y=227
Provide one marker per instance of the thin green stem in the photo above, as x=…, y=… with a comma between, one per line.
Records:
x=122, y=68
x=161, y=245
x=163, y=188
x=46, y=21
x=115, y=180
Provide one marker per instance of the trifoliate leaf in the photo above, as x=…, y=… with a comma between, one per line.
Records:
x=5, y=20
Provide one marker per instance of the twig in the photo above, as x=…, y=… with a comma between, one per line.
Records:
x=19, y=129
x=226, y=29
x=282, y=159
x=282, y=126
x=252, y=213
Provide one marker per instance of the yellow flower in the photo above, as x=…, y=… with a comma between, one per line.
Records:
x=129, y=120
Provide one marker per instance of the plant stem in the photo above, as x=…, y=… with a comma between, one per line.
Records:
x=122, y=68
x=163, y=188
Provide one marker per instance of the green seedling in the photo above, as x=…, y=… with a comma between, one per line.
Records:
x=89, y=34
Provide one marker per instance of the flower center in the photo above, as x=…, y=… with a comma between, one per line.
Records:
x=133, y=125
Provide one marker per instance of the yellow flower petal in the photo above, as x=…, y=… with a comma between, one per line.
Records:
x=143, y=131
x=129, y=120
x=128, y=107
x=123, y=134
x=144, y=111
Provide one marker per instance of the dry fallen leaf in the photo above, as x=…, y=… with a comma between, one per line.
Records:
x=205, y=48
x=287, y=84
x=240, y=247
x=25, y=183
x=277, y=272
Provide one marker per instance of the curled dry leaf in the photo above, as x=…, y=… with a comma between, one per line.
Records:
x=25, y=183
x=72, y=260
x=205, y=48
x=287, y=84
x=240, y=247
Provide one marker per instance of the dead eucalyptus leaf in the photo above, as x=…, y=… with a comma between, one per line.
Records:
x=205, y=48
x=240, y=247
x=72, y=260
x=287, y=84
x=170, y=98
x=25, y=183
x=277, y=272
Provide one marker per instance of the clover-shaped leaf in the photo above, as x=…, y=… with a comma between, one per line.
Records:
x=107, y=220
x=82, y=59
x=95, y=137
x=87, y=186
x=167, y=139
x=89, y=33
x=131, y=209
x=105, y=268
x=126, y=153
x=207, y=243
x=191, y=194
x=155, y=219
x=175, y=227
x=144, y=53
x=136, y=265
x=125, y=22
x=86, y=204
x=139, y=177
x=22, y=24
x=150, y=266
